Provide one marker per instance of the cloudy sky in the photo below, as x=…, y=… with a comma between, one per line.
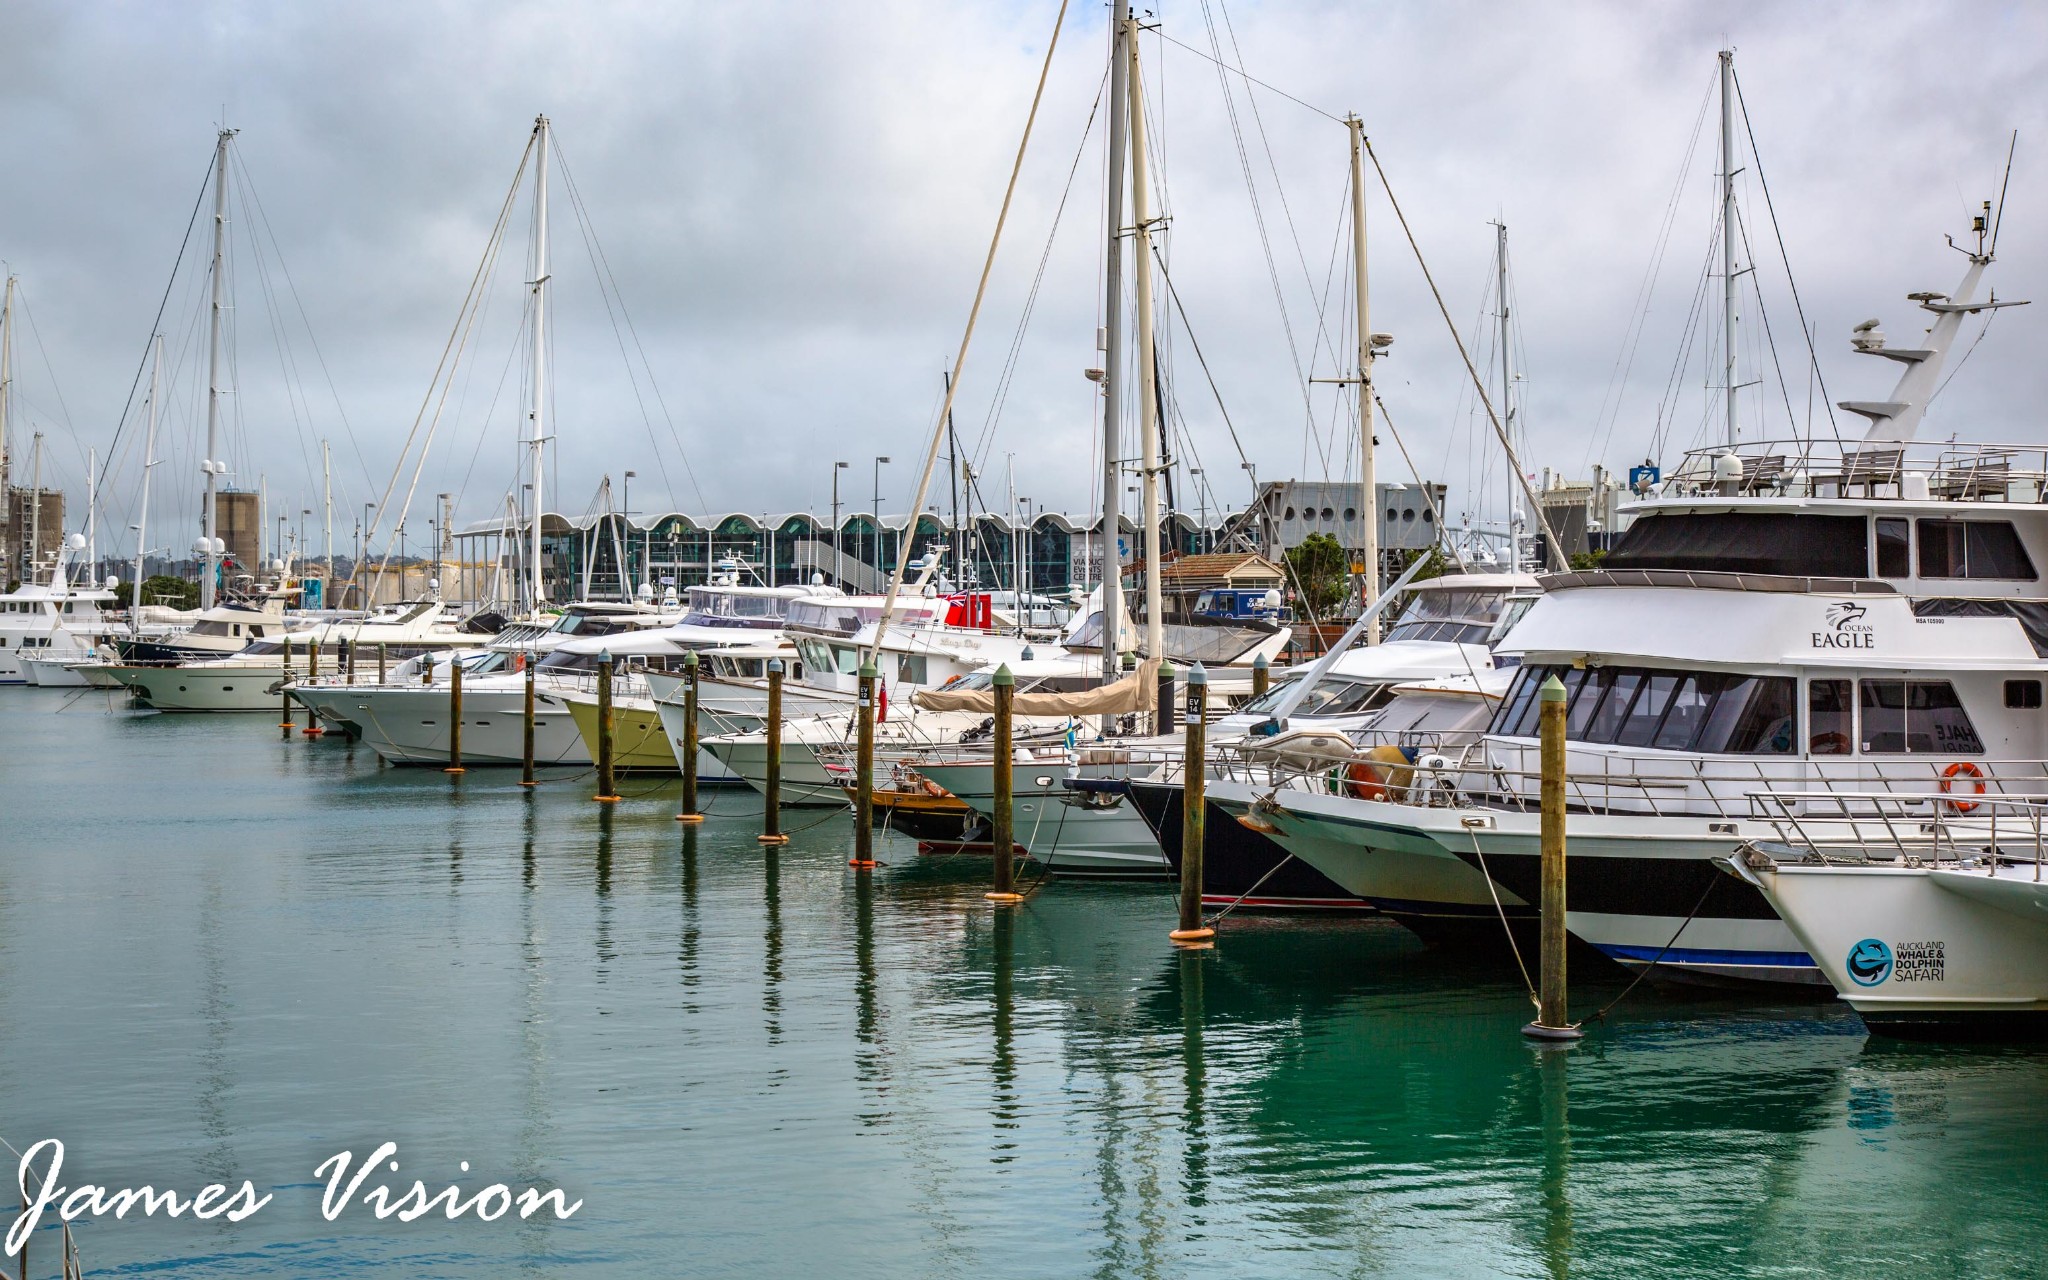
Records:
x=794, y=200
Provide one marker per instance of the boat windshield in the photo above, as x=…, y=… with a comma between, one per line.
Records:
x=1458, y=617
x=1332, y=696
x=713, y=603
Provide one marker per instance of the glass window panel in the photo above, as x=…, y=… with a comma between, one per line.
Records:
x=1687, y=713
x=1606, y=721
x=1769, y=720
x=1519, y=697
x=1830, y=718
x=1936, y=722
x=1580, y=710
x=1884, y=711
x=1894, y=549
x=1941, y=549
x=1991, y=549
x=1648, y=711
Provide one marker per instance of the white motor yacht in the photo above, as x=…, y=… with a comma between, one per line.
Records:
x=406, y=721
x=251, y=679
x=56, y=619
x=1861, y=618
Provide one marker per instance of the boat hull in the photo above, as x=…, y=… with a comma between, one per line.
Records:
x=1922, y=952
x=638, y=743
x=1241, y=868
x=1093, y=833
x=409, y=725
x=204, y=688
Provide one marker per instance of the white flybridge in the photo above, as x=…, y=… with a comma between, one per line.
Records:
x=1788, y=627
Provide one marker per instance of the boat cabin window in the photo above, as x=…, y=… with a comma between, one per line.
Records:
x=1802, y=546
x=1830, y=717
x=1973, y=549
x=2023, y=695
x=912, y=668
x=1894, y=549
x=1915, y=717
x=1714, y=712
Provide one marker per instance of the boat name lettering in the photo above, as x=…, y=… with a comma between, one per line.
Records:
x=1919, y=961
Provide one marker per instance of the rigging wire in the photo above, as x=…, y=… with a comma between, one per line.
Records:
x=1764, y=182
x=595, y=246
x=1639, y=315
x=262, y=222
x=1002, y=392
x=1555, y=547
x=136, y=382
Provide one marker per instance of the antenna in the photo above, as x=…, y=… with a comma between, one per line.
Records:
x=1999, y=217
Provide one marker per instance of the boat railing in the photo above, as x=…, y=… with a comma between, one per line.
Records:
x=1909, y=469
x=1484, y=774
x=1900, y=827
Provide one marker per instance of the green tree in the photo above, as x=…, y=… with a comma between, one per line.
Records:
x=1320, y=572
x=161, y=589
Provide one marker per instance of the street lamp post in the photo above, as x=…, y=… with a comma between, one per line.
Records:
x=837, y=467
x=880, y=462
x=1252, y=470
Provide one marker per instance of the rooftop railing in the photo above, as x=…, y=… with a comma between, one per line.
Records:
x=1909, y=470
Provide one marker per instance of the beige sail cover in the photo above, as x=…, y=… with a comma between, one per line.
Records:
x=1134, y=692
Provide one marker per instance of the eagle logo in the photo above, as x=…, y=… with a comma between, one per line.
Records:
x=1841, y=615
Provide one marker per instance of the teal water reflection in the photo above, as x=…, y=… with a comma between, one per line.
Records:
x=222, y=956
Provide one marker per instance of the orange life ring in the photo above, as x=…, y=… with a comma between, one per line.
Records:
x=1962, y=769
x=934, y=790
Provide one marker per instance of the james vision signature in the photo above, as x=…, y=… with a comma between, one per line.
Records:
x=42, y=1191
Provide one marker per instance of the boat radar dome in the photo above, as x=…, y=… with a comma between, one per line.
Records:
x=112, y=582
x=1728, y=472
x=817, y=579
x=75, y=542
x=646, y=591
x=1271, y=599
x=200, y=547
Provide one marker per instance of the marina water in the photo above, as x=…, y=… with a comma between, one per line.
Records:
x=226, y=956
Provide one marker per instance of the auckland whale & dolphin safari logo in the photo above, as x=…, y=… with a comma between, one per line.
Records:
x=1870, y=962
x=1846, y=628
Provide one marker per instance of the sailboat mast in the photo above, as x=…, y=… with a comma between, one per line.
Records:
x=1728, y=233
x=156, y=363
x=209, y=515
x=92, y=507
x=1368, y=473
x=538, y=412
x=1113, y=359
x=35, y=505
x=1507, y=386
x=327, y=499
x=6, y=394
x=1148, y=404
